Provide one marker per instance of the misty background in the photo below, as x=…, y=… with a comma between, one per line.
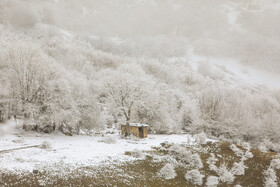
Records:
x=247, y=31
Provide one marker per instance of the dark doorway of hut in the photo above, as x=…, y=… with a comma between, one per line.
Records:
x=141, y=132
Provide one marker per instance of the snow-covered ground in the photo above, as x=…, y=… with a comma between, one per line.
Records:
x=75, y=151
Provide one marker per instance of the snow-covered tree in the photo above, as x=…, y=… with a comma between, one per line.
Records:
x=126, y=92
x=30, y=70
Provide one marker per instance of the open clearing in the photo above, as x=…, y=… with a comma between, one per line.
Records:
x=59, y=160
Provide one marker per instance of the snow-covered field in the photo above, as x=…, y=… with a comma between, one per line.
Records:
x=75, y=151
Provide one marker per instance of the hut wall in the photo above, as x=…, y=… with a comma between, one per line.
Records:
x=135, y=131
x=145, y=132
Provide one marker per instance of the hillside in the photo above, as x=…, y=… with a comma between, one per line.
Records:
x=189, y=69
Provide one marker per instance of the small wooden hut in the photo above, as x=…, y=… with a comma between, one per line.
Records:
x=137, y=129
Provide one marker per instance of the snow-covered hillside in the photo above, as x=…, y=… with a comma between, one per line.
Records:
x=187, y=68
x=236, y=72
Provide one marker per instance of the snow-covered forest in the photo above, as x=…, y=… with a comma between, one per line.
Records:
x=181, y=66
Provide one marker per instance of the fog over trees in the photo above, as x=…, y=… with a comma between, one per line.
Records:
x=76, y=66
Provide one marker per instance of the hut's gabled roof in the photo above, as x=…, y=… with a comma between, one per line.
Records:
x=138, y=125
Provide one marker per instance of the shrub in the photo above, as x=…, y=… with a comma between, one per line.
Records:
x=212, y=159
x=238, y=168
x=195, y=161
x=212, y=167
x=170, y=160
x=275, y=163
x=212, y=181
x=157, y=158
x=246, y=146
x=45, y=145
x=237, y=151
x=248, y=154
x=262, y=147
x=167, y=172
x=201, y=138
x=109, y=140
x=195, y=177
x=180, y=152
x=137, y=153
x=224, y=174
x=270, y=178
x=270, y=146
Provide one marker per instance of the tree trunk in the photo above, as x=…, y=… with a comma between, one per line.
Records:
x=127, y=128
x=1, y=116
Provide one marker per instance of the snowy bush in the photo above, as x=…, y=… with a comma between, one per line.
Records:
x=137, y=153
x=195, y=161
x=238, y=168
x=270, y=183
x=109, y=140
x=170, y=160
x=246, y=145
x=165, y=158
x=194, y=177
x=212, y=159
x=238, y=152
x=225, y=174
x=262, y=148
x=270, y=146
x=180, y=152
x=248, y=154
x=167, y=172
x=212, y=181
x=201, y=138
x=270, y=178
x=157, y=158
x=45, y=145
x=212, y=167
x=275, y=164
